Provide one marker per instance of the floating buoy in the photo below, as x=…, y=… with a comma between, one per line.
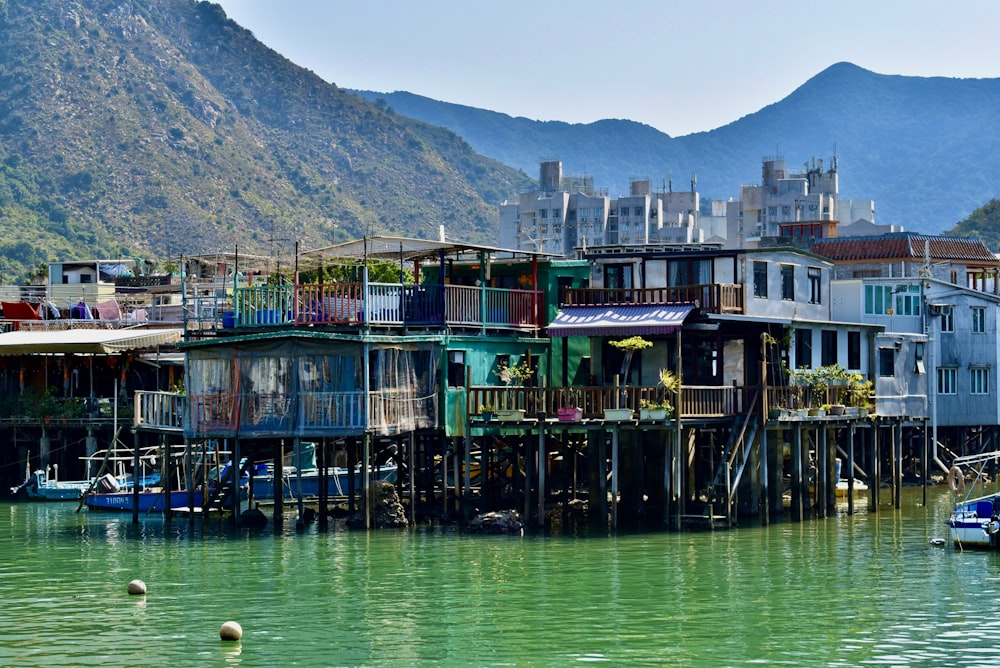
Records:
x=956, y=480
x=137, y=587
x=937, y=541
x=231, y=631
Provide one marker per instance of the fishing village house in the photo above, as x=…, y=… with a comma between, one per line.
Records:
x=937, y=299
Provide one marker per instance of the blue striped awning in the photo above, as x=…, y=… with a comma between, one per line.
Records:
x=619, y=320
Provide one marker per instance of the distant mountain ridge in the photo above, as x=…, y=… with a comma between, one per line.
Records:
x=927, y=150
x=161, y=127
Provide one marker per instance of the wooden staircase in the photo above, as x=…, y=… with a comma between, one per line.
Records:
x=742, y=439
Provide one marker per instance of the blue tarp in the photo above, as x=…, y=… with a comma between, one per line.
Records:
x=621, y=320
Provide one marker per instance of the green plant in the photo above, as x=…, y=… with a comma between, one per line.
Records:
x=513, y=374
x=487, y=408
x=654, y=405
x=859, y=391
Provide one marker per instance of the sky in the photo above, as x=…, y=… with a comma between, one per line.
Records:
x=680, y=67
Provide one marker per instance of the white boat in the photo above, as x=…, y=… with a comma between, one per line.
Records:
x=843, y=487
x=975, y=520
x=38, y=487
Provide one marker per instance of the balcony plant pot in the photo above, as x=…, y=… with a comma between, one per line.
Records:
x=617, y=414
x=510, y=415
x=652, y=413
x=837, y=409
x=572, y=414
x=486, y=416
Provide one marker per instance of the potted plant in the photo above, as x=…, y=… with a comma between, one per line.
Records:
x=571, y=412
x=654, y=410
x=628, y=346
x=486, y=411
x=512, y=375
x=859, y=393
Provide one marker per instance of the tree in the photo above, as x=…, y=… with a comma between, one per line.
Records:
x=984, y=223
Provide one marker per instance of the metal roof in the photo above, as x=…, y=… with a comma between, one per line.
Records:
x=85, y=341
x=407, y=249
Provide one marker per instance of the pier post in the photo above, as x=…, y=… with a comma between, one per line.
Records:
x=541, y=469
x=851, y=431
x=614, y=477
x=765, y=497
x=135, y=476
x=797, y=514
x=875, y=473
x=277, y=485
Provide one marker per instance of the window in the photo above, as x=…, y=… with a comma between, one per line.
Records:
x=787, y=282
x=557, y=213
x=887, y=361
x=854, y=350
x=815, y=285
x=907, y=299
x=618, y=276
x=544, y=213
x=456, y=368
x=639, y=211
x=918, y=355
x=946, y=380
x=980, y=380
x=760, y=279
x=803, y=348
x=828, y=339
x=948, y=320
x=878, y=299
x=978, y=320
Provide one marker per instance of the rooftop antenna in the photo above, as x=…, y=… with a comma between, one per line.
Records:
x=694, y=181
x=670, y=180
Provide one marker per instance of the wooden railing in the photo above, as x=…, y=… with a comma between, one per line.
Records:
x=713, y=297
x=695, y=401
x=159, y=410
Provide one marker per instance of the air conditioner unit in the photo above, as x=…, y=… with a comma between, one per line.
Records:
x=939, y=309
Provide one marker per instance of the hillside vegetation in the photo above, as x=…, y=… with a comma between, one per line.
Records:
x=160, y=127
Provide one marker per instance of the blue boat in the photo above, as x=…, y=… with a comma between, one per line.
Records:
x=975, y=520
x=148, y=501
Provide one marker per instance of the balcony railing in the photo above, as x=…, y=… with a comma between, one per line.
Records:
x=696, y=401
x=305, y=413
x=713, y=297
x=381, y=304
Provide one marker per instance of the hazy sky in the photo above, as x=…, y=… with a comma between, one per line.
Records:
x=680, y=67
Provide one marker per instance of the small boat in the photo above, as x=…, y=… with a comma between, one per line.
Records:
x=307, y=484
x=38, y=487
x=975, y=520
x=149, y=501
x=860, y=487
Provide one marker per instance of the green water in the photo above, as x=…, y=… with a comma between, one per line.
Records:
x=867, y=589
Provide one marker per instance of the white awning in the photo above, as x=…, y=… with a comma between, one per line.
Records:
x=85, y=341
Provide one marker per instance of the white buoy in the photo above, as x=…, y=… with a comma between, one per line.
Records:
x=137, y=588
x=231, y=631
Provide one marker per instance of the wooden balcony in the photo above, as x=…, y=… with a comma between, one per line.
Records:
x=712, y=298
x=383, y=304
x=696, y=401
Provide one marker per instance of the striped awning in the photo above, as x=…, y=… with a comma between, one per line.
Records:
x=85, y=341
x=619, y=320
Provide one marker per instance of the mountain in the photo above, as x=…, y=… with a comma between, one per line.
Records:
x=161, y=127
x=925, y=149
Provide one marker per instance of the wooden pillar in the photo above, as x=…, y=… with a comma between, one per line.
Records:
x=797, y=503
x=366, y=496
x=467, y=476
x=278, y=486
x=167, y=480
x=529, y=474
x=875, y=472
x=541, y=471
x=411, y=470
x=765, y=497
x=135, y=476
x=851, y=431
x=322, y=464
x=614, y=477
x=189, y=480
x=299, y=505
x=234, y=500
x=667, y=468
x=897, y=455
x=597, y=487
